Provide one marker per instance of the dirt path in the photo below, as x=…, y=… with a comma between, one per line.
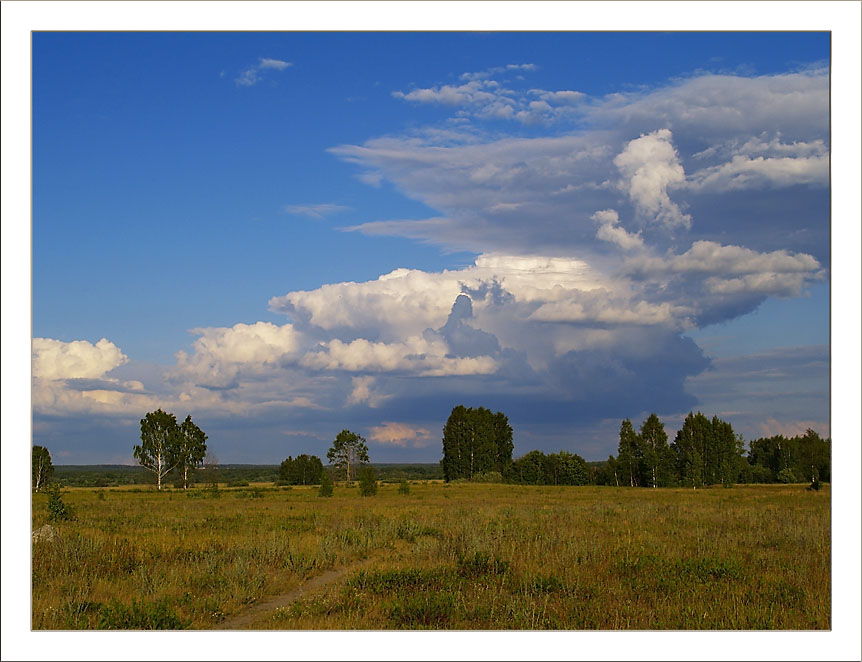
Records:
x=253, y=613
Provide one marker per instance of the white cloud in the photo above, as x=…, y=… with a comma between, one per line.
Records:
x=315, y=211
x=609, y=230
x=416, y=355
x=401, y=434
x=364, y=392
x=79, y=359
x=761, y=172
x=650, y=166
x=252, y=75
x=709, y=257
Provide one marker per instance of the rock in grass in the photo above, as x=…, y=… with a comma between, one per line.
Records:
x=46, y=533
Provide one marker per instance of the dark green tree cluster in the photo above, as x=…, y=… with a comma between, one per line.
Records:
x=644, y=458
x=563, y=468
x=704, y=452
x=707, y=452
x=167, y=446
x=304, y=470
x=476, y=441
x=780, y=459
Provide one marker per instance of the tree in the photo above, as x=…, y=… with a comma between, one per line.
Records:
x=191, y=450
x=813, y=457
x=160, y=443
x=657, y=455
x=326, y=487
x=572, y=469
x=41, y=466
x=530, y=468
x=367, y=481
x=304, y=470
x=688, y=449
x=348, y=449
x=476, y=441
x=630, y=453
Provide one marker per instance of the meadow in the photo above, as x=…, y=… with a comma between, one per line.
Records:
x=457, y=556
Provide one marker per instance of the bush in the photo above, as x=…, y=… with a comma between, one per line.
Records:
x=367, y=481
x=787, y=476
x=237, y=483
x=488, y=477
x=403, y=487
x=57, y=510
x=140, y=616
x=325, y=485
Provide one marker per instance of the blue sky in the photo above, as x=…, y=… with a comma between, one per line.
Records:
x=287, y=234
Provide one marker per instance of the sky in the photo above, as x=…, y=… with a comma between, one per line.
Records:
x=288, y=234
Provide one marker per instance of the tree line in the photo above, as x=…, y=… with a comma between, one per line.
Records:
x=478, y=445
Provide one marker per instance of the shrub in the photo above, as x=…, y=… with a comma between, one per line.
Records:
x=325, y=485
x=787, y=476
x=237, y=483
x=367, y=481
x=140, y=616
x=57, y=510
x=488, y=477
x=403, y=487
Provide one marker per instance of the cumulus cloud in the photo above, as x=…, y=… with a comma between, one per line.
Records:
x=253, y=74
x=610, y=231
x=315, y=211
x=79, y=359
x=401, y=434
x=364, y=392
x=650, y=166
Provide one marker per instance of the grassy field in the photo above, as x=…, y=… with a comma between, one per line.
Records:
x=457, y=556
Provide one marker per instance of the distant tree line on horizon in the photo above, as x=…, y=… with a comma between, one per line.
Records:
x=477, y=446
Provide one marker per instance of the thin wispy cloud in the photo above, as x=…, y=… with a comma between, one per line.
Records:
x=318, y=211
x=253, y=74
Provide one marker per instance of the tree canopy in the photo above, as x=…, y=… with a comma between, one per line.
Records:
x=166, y=446
x=304, y=470
x=476, y=441
x=348, y=450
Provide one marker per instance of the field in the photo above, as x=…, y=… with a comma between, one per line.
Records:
x=449, y=556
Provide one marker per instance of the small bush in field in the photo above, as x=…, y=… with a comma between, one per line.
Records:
x=403, y=487
x=57, y=510
x=367, y=481
x=325, y=485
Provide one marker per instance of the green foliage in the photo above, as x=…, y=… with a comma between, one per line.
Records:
x=348, y=450
x=326, y=487
x=191, y=449
x=787, y=475
x=140, y=616
x=563, y=468
x=403, y=487
x=367, y=481
x=41, y=466
x=304, y=470
x=158, y=451
x=58, y=511
x=488, y=477
x=476, y=441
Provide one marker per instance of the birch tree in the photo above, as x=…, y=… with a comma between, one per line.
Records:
x=42, y=467
x=192, y=448
x=160, y=442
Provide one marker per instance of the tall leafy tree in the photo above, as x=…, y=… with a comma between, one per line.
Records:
x=657, y=458
x=813, y=457
x=304, y=470
x=688, y=448
x=42, y=468
x=348, y=450
x=476, y=441
x=191, y=449
x=529, y=469
x=160, y=442
x=630, y=453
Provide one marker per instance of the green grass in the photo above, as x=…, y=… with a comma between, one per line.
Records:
x=460, y=556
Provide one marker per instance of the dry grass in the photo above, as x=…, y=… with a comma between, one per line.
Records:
x=459, y=556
